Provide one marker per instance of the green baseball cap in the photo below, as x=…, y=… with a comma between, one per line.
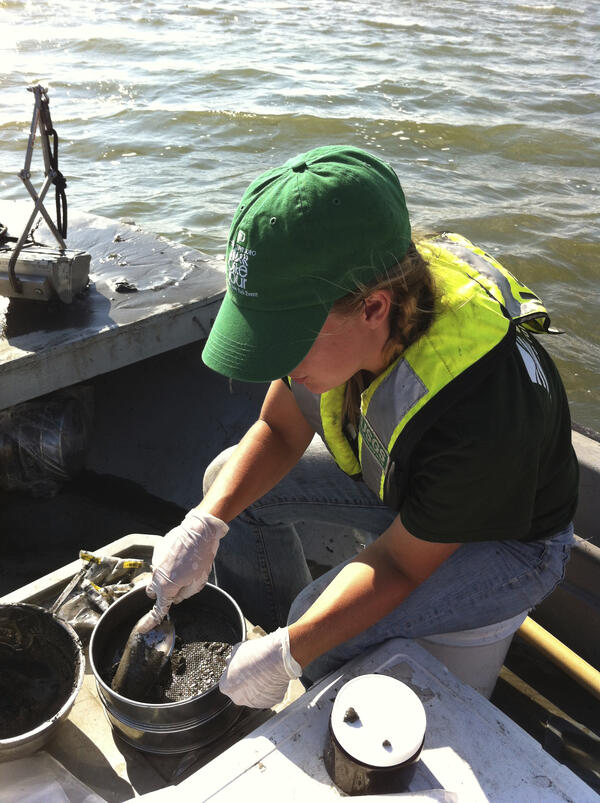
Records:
x=304, y=235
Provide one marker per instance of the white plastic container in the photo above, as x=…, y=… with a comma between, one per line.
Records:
x=376, y=735
x=475, y=656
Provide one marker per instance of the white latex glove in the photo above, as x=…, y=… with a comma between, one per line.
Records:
x=258, y=672
x=182, y=562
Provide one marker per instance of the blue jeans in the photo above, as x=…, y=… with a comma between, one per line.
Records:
x=261, y=562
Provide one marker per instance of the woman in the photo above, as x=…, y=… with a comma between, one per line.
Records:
x=446, y=425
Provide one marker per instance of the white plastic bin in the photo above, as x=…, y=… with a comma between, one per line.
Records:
x=475, y=656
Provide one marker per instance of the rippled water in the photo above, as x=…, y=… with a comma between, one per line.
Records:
x=489, y=112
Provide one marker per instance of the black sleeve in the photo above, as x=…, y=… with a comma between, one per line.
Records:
x=499, y=465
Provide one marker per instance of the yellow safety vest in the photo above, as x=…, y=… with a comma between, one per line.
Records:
x=478, y=305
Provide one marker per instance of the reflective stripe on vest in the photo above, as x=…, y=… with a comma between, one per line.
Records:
x=477, y=299
x=324, y=413
x=522, y=305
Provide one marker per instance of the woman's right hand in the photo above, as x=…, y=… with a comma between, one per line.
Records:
x=182, y=562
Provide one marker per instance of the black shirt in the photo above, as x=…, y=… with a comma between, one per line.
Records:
x=499, y=463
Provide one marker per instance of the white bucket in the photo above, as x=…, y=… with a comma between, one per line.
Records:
x=475, y=656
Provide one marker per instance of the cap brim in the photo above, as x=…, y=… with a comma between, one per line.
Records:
x=261, y=345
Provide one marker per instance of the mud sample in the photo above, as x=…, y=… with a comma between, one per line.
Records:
x=195, y=667
x=203, y=644
x=37, y=669
x=351, y=715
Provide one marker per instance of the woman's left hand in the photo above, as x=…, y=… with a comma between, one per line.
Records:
x=258, y=672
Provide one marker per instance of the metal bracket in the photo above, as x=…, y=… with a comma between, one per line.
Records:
x=41, y=96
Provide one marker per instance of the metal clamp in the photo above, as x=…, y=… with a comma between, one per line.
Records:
x=41, y=119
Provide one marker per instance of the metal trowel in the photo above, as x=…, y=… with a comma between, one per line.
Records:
x=144, y=657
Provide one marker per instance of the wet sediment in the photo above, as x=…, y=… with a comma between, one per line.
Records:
x=203, y=644
x=32, y=690
x=37, y=669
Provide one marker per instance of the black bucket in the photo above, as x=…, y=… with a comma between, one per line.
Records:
x=41, y=671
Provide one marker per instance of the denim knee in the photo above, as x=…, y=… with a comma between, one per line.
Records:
x=312, y=592
x=215, y=467
x=302, y=603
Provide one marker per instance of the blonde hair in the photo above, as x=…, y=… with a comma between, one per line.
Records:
x=413, y=296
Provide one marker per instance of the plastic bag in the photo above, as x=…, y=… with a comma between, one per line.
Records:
x=101, y=580
x=42, y=779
